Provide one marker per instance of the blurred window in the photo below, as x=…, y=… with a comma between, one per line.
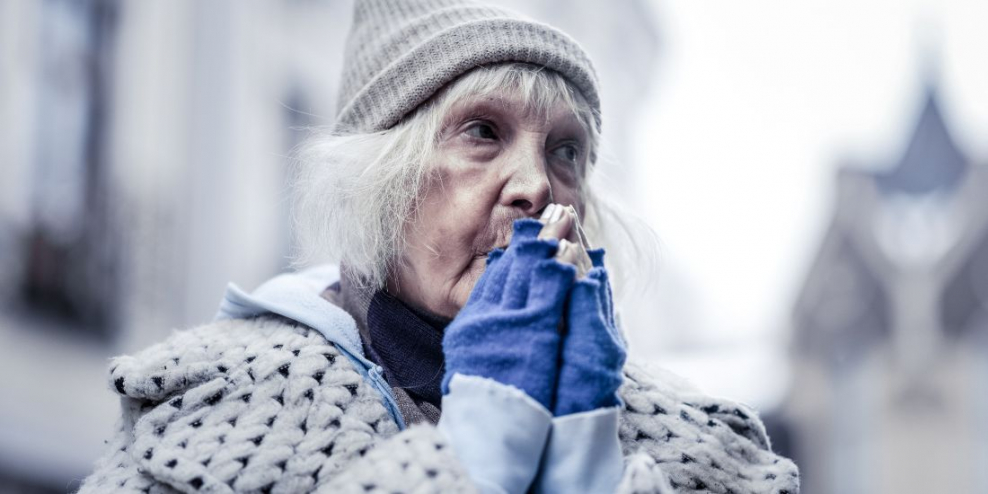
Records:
x=70, y=249
x=964, y=301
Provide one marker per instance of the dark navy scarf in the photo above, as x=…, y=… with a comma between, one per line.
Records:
x=408, y=344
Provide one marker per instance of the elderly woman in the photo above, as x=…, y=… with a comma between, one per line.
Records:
x=468, y=341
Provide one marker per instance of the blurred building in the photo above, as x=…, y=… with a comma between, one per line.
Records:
x=890, y=385
x=145, y=164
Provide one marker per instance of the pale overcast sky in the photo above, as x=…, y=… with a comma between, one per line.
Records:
x=755, y=105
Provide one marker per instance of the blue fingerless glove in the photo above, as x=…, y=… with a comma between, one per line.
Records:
x=508, y=329
x=593, y=352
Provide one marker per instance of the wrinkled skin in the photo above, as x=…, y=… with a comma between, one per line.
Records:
x=496, y=162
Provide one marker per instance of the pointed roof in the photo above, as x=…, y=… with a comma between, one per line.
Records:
x=932, y=160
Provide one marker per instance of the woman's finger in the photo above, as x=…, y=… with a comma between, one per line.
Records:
x=579, y=232
x=579, y=241
x=562, y=222
x=558, y=222
x=569, y=253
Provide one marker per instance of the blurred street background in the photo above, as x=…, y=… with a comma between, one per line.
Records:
x=817, y=173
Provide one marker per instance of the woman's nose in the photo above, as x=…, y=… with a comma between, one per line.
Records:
x=527, y=189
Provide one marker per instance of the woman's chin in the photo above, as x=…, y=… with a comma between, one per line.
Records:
x=464, y=287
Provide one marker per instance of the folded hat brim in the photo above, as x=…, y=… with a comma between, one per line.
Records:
x=441, y=58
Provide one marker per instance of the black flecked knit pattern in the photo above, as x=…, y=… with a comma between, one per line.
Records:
x=700, y=443
x=264, y=405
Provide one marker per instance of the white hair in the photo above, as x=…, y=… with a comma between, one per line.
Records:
x=355, y=194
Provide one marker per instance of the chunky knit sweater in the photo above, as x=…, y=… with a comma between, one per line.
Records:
x=268, y=405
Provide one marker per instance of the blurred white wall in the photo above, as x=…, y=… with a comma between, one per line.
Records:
x=148, y=144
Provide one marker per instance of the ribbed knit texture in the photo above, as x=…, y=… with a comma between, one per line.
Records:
x=508, y=329
x=593, y=353
x=400, y=52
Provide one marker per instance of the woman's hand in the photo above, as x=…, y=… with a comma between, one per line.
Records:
x=545, y=285
x=563, y=224
x=593, y=351
x=508, y=329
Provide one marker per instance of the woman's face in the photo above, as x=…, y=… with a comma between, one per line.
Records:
x=495, y=163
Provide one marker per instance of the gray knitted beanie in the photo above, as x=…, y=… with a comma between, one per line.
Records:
x=400, y=52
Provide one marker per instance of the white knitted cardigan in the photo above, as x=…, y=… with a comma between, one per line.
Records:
x=267, y=405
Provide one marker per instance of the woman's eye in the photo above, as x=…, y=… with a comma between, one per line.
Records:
x=568, y=152
x=481, y=131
